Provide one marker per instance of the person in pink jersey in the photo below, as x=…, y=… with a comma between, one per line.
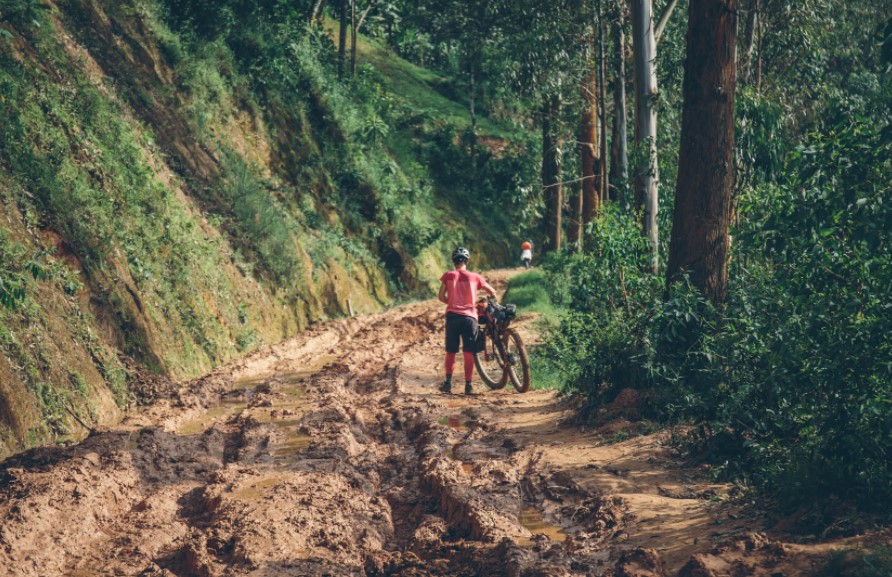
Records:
x=458, y=290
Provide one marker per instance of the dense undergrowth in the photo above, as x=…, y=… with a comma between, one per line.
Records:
x=793, y=374
x=788, y=380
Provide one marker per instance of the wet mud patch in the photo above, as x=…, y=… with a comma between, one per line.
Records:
x=357, y=467
x=271, y=519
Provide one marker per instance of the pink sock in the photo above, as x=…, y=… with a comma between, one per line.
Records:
x=450, y=363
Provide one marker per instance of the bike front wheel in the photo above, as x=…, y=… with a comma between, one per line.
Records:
x=516, y=361
x=490, y=364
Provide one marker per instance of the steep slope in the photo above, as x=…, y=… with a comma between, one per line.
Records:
x=171, y=202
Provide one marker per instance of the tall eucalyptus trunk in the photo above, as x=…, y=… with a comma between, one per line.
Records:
x=646, y=96
x=316, y=15
x=551, y=170
x=352, y=37
x=604, y=185
x=589, y=156
x=619, y=161
x=344, y=18
x=700, y=241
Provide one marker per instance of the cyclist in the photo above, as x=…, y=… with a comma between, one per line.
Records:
x=458, y=290
x=526, y=253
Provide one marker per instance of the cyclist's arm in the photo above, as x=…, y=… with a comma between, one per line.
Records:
x=486, y=287
x=443, y=296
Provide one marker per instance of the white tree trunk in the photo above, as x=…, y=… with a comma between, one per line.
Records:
x=646, y=95
x=621, y=159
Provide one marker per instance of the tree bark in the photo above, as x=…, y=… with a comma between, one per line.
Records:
x=588, y=151
x=364, y=14
x=619, y=162
x=603, y=184
x=646, y=96
x=317, y=11
x=664, y=19
x=342, y=36
x=745, y=60
x=759, y=54
x=574, y=227
x=472, y=96
x=352, y=37
x=700, y=241
x=551, y=170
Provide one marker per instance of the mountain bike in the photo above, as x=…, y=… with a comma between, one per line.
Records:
x=503, y=356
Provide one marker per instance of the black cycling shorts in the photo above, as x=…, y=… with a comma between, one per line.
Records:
x=465, y=328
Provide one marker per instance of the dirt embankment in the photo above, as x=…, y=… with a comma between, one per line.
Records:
x=333, y=454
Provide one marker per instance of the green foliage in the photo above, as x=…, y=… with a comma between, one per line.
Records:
x=872, y=562
x=260, y=217
x=17, y=267
x=23, y=13
x=794, y=373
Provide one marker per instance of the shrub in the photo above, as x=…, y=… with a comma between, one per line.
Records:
x=794, y=372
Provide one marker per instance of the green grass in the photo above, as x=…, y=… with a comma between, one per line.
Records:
x=544, y=374
x=416, y=87
x=529, y=292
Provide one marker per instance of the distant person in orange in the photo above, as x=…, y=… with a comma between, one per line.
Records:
x=526, y=253
x=458, y=290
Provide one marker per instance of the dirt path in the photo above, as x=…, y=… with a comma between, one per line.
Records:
x=333, y=454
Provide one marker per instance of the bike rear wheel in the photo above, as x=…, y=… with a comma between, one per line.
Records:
x=490, y=364
x=518, y=363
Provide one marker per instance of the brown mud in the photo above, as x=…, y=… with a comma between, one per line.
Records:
x=334, y=454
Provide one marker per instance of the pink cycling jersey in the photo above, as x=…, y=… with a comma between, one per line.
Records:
x=461, y=291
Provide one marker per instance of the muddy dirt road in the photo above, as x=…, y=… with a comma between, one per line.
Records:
x=333, y=454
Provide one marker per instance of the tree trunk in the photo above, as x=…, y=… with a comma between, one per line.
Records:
x=364, y=14
x=664, y=19
x=574, y=229
x=759, y=54
x=352, y=37
x=551, y=171
x=745, y=61
x=619, y=162
x=472, y=96
x=342, y=36
x=700, y=240
x=317, y=11
x=646, y=96
x=603, y=184
x=472, y=102
x=588, y=151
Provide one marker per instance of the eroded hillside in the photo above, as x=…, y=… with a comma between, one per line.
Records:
x=170, y=202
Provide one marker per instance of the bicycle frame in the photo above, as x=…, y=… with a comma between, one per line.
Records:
x=494, y=329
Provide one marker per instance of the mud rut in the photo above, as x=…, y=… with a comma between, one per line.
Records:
x=340, y=459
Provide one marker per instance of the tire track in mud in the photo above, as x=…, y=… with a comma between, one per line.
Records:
x=337, y=460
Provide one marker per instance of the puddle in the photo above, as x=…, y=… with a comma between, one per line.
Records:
x=290, y=377
x=133, y=441
x=293, y=446
x=455, y=423
x=297, y=376
x=196, y=426
x=468, y=468
x=249, y=383
x=531, y=518
x=278, y=421
x=295, y=392
x=257, y=489
x=236, y=400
